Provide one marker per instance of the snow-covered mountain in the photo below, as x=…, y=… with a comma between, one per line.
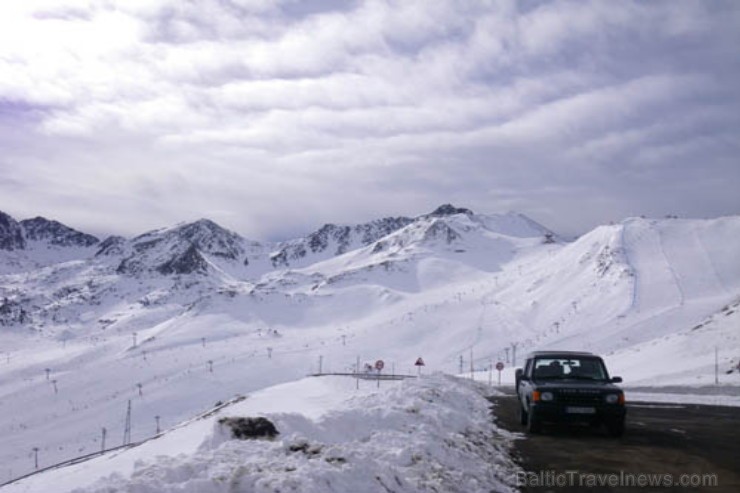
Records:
x=184, y=249
x=39, y=242
x=196, y=313
x=331, y=240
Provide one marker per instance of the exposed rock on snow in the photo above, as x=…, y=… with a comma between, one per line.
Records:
x=188, y=262
x=55, y=233
x=331, y=240
x=113, y=245
x=11, y=233
x=250, y=428
x=12, y=312
x=448, y=210
x=440, y=231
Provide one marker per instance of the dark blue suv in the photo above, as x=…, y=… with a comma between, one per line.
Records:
x=569, y=387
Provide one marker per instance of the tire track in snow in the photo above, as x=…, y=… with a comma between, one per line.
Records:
x=633, y=270
x=676, y=278
x=651, y=267
x=703, y=249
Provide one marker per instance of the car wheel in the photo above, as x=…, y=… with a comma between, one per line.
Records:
x=533, y=423
x=522, y=415
x=616, y=428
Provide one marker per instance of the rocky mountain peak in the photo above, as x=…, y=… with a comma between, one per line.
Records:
x=448, y=210
x=182, y=249
x=55, y=233
x=199, y=227
x=11, y=233
x=211, y=238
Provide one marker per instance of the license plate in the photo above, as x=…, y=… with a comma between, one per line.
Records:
x=580, y=410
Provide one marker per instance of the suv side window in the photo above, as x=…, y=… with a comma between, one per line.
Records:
x=528, y=368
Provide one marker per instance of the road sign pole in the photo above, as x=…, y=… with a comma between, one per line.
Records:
x=379, y=365
x=716, y=365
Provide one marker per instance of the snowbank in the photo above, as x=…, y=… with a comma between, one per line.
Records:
x=430, y=434
x=672, y=398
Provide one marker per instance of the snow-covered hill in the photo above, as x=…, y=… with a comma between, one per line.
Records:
x=180, y=318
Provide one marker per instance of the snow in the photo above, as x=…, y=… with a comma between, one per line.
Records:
x=671, y=398
x=657, y=298
x=431, y=434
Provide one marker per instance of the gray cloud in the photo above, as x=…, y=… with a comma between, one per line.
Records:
x=272, y=117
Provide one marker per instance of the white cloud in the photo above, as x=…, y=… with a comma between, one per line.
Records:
x=412, y=102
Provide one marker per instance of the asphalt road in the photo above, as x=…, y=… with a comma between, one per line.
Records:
x=663, y=444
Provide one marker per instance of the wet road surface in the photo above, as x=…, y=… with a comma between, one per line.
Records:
x=669, y=443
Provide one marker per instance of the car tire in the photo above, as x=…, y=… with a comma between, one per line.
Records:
x=534, y=425
x=616, y=428
x=523, y=418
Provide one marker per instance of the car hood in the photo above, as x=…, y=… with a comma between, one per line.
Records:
x=576, y=385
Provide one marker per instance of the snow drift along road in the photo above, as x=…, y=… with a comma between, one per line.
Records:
x=431, y=434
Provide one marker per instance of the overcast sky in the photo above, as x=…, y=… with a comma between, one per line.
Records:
x=274, y=117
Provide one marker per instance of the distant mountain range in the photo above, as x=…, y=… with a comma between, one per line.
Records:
x=204, y=253
x=194, y=248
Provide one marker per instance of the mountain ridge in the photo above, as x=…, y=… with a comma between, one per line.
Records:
x=156, y=251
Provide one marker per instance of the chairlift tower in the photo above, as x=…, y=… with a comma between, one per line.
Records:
x=127, y=426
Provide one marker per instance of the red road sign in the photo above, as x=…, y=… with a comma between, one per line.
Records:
x=419, y=362
x=499, y=366
x=379, y=365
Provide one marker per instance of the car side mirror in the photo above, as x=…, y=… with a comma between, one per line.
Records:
x=616, y=380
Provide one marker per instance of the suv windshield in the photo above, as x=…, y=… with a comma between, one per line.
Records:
x=580, y=368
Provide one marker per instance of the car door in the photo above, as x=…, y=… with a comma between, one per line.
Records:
x=525, y=384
